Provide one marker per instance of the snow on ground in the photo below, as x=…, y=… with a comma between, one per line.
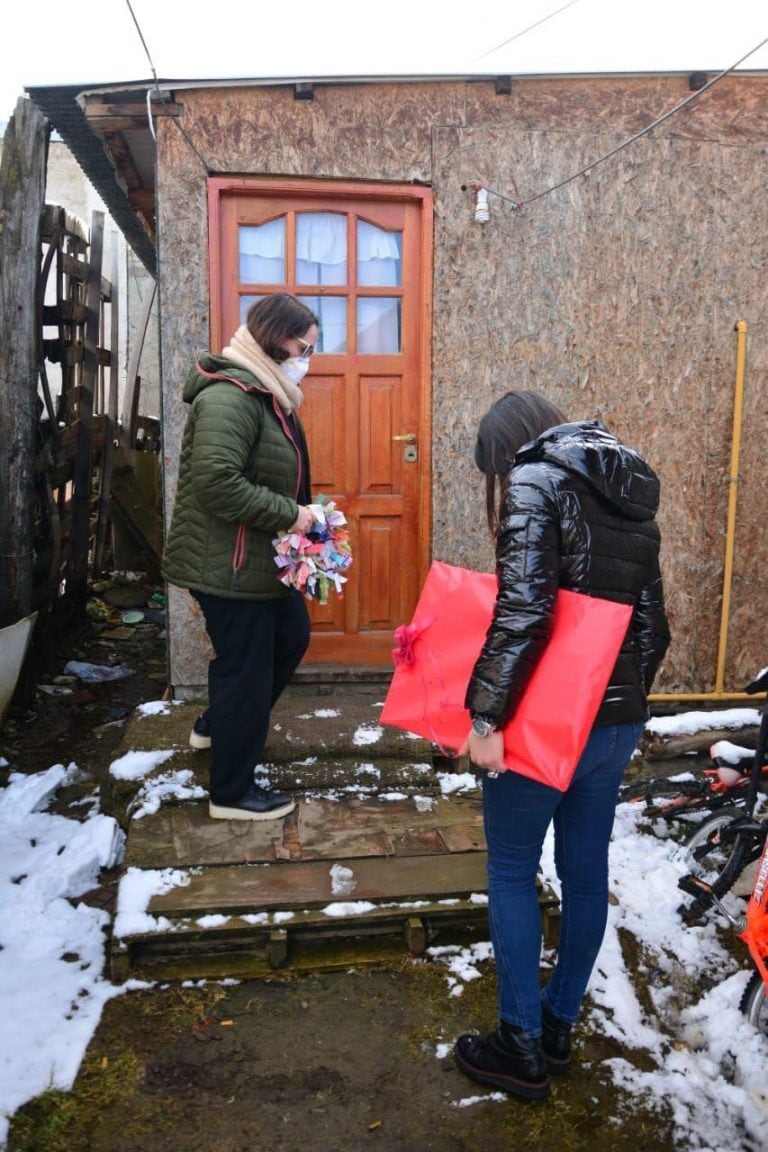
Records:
x=702, y=1060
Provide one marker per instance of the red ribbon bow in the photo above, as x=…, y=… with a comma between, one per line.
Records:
x=405, y=637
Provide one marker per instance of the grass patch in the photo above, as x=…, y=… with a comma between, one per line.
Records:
x=61, y=1121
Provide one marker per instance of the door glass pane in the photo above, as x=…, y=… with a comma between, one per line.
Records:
x=379, y=256
x=378, y=325
x=321, y=248
x=332, y=314
x=245, y=303
x=262, y=253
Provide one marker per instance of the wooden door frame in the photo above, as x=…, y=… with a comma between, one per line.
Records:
x=294, y=187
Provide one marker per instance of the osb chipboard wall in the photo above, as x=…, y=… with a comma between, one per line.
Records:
x=616, y=294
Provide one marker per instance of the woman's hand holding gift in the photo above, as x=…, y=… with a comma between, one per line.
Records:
x=304, y=520
x=485, y=752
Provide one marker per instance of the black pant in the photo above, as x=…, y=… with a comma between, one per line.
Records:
x=258, y=645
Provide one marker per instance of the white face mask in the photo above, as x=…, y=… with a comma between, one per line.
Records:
x=296, y=368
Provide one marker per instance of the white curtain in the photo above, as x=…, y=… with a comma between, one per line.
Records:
x=262, y=253
x=321, y=259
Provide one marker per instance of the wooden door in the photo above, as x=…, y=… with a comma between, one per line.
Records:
x=360, y=257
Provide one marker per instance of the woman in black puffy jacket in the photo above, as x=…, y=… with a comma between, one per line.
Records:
x=570, y=507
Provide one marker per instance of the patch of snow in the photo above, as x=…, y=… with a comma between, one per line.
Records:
x=135, y=765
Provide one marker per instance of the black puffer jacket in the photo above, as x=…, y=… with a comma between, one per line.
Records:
x=577, y=512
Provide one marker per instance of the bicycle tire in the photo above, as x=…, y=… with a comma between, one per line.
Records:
x=664, y=797
x=754, y=1003
x=718, y=862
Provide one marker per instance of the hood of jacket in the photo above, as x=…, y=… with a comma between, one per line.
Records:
x=207, y=367
x=615, y=472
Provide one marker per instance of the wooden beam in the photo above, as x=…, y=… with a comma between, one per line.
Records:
x=123, y=159
x=77, y=575
x=135, y=115
x=22, y=196
x=114, y=336
x=143, y=199
x=67, y=312
x=131, y=398
x=80, y=270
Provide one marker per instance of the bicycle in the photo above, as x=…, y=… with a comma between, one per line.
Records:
x=754, y=1001
x=725, y=784
x=716, y=854
x=675, y=797
x=740, y=839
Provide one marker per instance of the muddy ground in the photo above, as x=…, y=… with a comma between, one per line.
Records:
x=332, y=1061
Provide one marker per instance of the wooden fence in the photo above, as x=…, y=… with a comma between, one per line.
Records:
x=55, y=484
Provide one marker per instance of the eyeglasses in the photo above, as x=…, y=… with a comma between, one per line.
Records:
x=306, y=349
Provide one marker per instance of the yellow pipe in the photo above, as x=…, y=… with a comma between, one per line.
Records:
x=730, y=531
x=730, y=535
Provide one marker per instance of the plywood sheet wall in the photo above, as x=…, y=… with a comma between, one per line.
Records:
x=616, y=295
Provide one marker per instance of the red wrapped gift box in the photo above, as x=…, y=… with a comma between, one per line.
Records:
x=437, y=651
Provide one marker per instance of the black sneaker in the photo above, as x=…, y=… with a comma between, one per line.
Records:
x=200, y=736
x=506, y=1059
x=556, y=1042
x=257, y=804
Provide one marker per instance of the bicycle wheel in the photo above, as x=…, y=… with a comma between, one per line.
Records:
x=661, y=796
x=715, y=859
x=754, y=1003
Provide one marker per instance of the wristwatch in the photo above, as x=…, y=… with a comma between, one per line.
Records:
x=482, y=726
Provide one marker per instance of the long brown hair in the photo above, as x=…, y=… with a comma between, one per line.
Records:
x=514, y=420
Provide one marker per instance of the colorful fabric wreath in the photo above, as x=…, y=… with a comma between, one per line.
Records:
x=316, y=562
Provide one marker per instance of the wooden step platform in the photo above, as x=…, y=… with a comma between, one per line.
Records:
x=333, y=884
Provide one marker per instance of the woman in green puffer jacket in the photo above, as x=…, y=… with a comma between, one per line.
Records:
x=244, y=477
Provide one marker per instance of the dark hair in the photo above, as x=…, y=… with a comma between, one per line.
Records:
x=514, y=420
x=276, y=318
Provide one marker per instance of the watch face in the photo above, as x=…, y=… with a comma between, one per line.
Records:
x=482, y=727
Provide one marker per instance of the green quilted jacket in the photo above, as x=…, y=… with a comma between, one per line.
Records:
x=242, y=468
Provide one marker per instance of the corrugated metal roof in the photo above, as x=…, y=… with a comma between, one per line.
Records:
x=60, y=107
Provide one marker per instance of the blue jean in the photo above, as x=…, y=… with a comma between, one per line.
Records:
x=517, y=813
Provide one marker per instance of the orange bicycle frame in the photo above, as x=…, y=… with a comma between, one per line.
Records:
x=755, y=935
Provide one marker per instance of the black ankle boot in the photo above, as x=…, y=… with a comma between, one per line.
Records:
x=556, y=1042
x=505, y=1059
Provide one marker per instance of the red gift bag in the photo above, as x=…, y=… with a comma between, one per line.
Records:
x=437, y=651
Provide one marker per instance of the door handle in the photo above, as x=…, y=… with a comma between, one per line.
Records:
x=408, y=437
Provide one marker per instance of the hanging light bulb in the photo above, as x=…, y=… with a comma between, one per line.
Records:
x=482, y=211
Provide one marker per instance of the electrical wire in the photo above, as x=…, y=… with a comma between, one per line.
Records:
x=519, y=205
x=144, y=43
x=523, y=31
x=152, y=69
x=160, y=94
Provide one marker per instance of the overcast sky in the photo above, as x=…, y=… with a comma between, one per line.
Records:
x=98, y=41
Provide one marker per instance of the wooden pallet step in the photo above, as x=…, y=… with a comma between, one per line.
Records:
x=183, y=835
x=270, y=910
x=310, y=941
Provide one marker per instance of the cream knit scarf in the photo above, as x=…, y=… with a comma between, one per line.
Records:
x=246, y=353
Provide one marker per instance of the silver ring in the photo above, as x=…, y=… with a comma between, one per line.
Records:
x=493, y=775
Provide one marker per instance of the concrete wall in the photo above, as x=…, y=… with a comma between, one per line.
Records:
x=615, y=295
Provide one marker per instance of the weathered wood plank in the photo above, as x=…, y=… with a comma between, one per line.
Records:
x=77, y=575
x=184, y=836
x=310, y=941
x=133, y=380
x=22, y=195
x=285, y=887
